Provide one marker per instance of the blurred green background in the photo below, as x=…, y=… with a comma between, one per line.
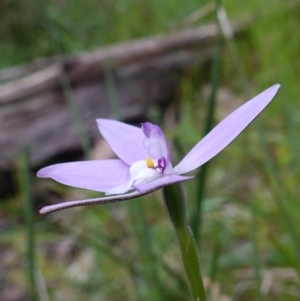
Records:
x=250, y=234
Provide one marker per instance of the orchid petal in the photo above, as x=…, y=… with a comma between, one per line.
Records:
x=146, y=188
x=226, y=131
x=93, y=175
x=125, y=140
x=161, y=182
x=138, y=173
x=157, y=145
x=147, y=175
x=102, y=200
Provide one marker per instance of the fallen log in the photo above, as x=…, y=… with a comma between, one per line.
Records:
x=122, y=81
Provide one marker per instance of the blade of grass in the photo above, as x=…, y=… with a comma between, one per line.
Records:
x=112, y=93
x=28, y=204
x=292, y=132
x=41, y=285
x=83, y=137
x=255, y=253
x=217, y=248
x=202, y=176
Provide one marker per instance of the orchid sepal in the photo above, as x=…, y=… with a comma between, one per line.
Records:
x=127, y=178
x=172, y=179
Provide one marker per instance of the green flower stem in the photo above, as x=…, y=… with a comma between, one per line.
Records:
x=175, y=204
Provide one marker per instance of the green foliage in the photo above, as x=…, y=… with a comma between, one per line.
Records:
x=128, y=251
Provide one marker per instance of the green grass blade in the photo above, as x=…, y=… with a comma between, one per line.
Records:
x=202, y=176
x=112, y=93
x=83, y=137
x=255, y=254
x=217, y=248
x=28, y=204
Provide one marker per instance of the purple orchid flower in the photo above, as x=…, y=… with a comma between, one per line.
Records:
x=145, y=164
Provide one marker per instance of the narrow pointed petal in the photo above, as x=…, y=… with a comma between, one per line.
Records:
x=125, y=140
x=96, y=201
x=87, y=202
x=146, y=188
x=226, y=131
x=93, y=175
x=161, y=182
